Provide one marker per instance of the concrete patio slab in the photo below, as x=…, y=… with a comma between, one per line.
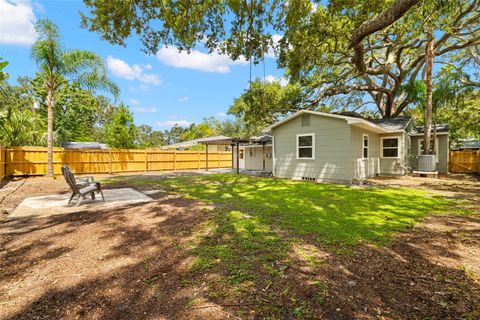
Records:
x=57, y=204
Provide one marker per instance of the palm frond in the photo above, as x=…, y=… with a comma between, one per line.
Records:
x=76, y=61
x=95, y=80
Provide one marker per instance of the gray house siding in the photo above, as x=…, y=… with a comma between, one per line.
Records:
x=364, y=168
x=442, y=163
x=333, y=157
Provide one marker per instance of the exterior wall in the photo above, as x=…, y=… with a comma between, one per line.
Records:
x=364, y=168
x=393, y=166
x=333, y=155
x=443, y=150
x=253, y=158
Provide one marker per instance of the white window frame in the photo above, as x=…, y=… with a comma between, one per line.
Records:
x=420, y=147
x=313, y=145
x=363, y=145
x=399, y=154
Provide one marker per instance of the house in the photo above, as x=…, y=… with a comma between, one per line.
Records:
x=198, y=143
x=467, y=144
x=320, y=146
x=255, y=155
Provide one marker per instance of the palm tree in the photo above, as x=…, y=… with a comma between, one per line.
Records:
x=59, y=66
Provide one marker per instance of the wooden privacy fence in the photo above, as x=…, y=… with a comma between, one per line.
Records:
x=22, y=161
x=464, y=161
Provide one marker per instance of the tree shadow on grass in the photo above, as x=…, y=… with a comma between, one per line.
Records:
x=172, y=259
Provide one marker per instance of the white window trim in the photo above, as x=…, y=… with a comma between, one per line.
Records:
x=313, y=145
x=399, y=147
x=368, y=145
x=420, y=147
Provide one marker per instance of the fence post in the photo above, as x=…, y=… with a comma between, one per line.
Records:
x=218, y=154
x=198, y=160
x=478, y=161
x=146, y=162
x=5, y=168
x=174, y=160
x=110, y=161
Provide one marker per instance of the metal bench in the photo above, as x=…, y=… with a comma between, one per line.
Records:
x=81, y=188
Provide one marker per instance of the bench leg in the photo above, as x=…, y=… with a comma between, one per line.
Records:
x=79, y=200
x=92, y=195
x=70, y=200
x=101, y=192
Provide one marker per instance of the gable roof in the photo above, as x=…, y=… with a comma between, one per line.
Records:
x=440, y=127
x=398, y=123
x=360, y=122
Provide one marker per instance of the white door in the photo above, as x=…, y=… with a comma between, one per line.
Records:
x=241, y=158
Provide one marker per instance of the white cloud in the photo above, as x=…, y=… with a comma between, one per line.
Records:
x=134, y=102
x=276, y=39
x=17, y=22
x=135, y=72
x=283, y=82
x=145, y=110
x=220, y=114
x=196, y=60
x=172, y=123
x=183, y=99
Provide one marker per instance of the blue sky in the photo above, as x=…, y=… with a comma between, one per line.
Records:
x=161, y=90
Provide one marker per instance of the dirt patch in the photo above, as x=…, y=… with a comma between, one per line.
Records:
x=133, y=262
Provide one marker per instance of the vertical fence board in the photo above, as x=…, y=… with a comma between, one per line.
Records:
x=3, y=161
x=20, y=161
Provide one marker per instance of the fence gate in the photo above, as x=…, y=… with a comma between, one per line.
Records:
x=464, y=161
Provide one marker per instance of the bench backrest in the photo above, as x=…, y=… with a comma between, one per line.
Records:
x=70, y=179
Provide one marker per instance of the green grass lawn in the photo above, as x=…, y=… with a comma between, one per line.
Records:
x=260, y=224
x=335, y=214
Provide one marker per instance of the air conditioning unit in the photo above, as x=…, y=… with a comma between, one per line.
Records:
x=427, y=162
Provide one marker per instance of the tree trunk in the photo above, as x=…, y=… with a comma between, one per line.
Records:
x=427, y=134
x=50, y=108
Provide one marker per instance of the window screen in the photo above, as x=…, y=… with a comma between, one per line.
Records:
x=305, y=147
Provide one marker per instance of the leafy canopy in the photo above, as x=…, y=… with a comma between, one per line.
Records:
x=314, y=47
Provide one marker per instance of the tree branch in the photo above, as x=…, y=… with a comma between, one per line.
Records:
x=381, y=21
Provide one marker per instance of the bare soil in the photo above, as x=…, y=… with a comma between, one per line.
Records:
x=131, y=263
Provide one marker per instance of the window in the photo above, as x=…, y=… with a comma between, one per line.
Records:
x=241, y=154
x=420, y=146
x=365, y=146
x=390, y=147
x=306, y=146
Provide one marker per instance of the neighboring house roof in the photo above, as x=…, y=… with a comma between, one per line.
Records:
x=467, y=144
x=398, y=123
x=84, y=145
x=221, y=140
x=350, y=120
x=194, y=142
